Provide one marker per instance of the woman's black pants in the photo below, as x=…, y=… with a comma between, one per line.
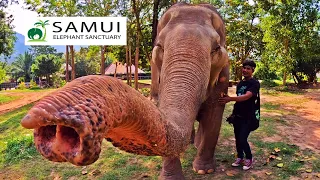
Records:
x=241, y=132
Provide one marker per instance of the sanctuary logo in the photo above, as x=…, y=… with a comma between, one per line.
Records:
x=76, y=31
x=36, y=34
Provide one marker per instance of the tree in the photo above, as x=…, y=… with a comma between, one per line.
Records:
x=38, y=50
x=21, y=67
x=58, y=8
x=46, y=65
x=244, y=35
x=7, y=35
x=286, y=25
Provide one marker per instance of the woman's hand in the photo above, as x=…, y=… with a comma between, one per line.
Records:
x=225, y=99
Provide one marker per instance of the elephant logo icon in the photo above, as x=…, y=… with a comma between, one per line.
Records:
x=36, y=34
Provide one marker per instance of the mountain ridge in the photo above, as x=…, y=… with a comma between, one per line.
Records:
x=20, y=48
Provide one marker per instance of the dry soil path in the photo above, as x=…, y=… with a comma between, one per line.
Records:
x=26, y=98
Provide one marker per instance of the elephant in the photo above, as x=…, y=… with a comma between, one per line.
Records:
x=34, y=31
x=190, y=71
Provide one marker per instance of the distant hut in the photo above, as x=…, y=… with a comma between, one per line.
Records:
x=121, y=70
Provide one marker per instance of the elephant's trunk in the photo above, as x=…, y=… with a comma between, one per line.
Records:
x=70, y=124
x=185, y=76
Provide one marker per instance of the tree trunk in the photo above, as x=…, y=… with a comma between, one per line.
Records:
x=136, y=64
x=73, y=75
x=103, y=60
x=155, y=21
x=130, y=66
x=137, y=13
x=138, y=35
x=115, y=70
x=286, y=45
x=284, y=81
x=67, y=63
x=127, y=63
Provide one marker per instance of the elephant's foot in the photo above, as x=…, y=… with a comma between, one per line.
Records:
x=203, y=166
x=171, y=169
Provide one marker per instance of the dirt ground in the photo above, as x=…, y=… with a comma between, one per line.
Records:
x=26, y=98
x=301, y=116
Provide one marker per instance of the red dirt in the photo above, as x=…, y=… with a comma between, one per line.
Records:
x=26, y=98
x=301, y=114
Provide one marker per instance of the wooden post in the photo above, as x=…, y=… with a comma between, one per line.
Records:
x=67, y=63
x=127, y=64
x=73, y=74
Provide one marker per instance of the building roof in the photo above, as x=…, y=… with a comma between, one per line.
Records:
x=121, y=69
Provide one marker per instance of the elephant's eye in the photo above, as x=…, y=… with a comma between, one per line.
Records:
x=217, y=48
x=159, y=45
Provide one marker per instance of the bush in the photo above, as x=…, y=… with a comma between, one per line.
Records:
x=22, y=86
x=263, y=73
x=268, y=83
x=57, y=81
x=145, y=91
x=33, y=84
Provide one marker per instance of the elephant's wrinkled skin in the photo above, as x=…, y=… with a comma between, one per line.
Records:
x=189, y=72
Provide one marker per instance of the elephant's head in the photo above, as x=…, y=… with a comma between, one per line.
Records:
x=188, y=56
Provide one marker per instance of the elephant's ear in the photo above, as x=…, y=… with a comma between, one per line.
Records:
x=156, y=63
x=217, y=22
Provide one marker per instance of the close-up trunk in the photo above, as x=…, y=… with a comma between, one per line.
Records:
x=70, y=124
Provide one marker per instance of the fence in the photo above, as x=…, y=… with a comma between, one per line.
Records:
x=6, y=86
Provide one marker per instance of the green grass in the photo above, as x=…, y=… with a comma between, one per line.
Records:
x=18, y=155
x=27, y=90
x=7, y=98
x=270, y=106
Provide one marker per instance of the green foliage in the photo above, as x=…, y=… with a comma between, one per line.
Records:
x=18, y=149
x=57, y=81
x=21, y=67
x=22, y=85
x=263, y=72
x=33, y=84
x=7, y=35
x=268, y=83
x=45, y=65
x=2, y=75
x=39, y=50
x=287, y=26
x=145, y=91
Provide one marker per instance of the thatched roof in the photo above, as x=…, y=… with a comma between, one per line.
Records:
x=63, y=66
x=121, y=69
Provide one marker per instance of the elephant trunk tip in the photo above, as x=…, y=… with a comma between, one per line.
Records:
x=60, y=137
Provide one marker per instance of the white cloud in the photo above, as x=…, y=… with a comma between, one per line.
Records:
x=20, y=15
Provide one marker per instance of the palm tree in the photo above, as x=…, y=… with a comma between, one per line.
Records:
x=42, y=24
x=21, y=67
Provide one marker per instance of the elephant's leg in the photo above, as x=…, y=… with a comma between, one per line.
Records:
x=171, y=169
x=210, y=118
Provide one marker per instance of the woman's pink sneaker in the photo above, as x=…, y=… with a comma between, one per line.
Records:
x=238, y=162
x=248, y=164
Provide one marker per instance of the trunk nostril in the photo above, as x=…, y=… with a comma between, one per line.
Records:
x=70, y=140
x=47, y=133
